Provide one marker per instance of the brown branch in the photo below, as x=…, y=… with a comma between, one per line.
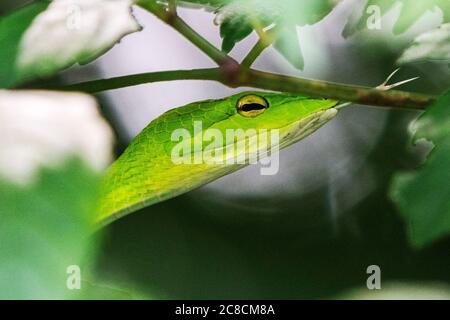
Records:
x=340, y=92
x=268, y=81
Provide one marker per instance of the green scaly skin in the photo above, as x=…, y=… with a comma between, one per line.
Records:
x=145, y=173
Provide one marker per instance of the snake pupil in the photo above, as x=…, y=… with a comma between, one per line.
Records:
x=251, y=106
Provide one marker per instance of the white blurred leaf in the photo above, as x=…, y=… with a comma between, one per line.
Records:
x=72, y=31
x=401, y=291
x=43, y=128
x=431, y=45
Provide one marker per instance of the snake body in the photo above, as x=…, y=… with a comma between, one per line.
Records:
x=146, y=173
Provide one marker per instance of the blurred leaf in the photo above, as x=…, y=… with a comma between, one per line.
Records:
x=45, y=228
x=401, y=291
x=36, y=131
x=434, y=125
x=49, y=179
x=12, y=28
x=264, y=13
x=288, y=45
x=204, y=3
x=411, y=11
x=101, y=292
x=238, y=18
x=431, y=45
x=73, y=31
x=423, y=196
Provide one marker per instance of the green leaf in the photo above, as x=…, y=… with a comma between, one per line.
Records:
x=288, y=45
x=434, y=125
x=93, y=291
x=12, y=28
x=431, y=45
x=45, y=228
x=238, y=18
x=261, y=14
x=411, y=11
x=423, y=195
x=233, y=31
x=204, y=3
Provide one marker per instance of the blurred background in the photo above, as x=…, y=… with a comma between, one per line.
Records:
x=311, y=230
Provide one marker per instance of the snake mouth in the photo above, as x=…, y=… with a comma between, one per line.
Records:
x=261, y=143
x=302, y=128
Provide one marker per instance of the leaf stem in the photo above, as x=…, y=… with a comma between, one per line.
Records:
x=264, y=41
x=137, y=79
x=182, y=27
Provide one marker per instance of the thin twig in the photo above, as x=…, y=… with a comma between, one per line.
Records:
x=336, y=91
x=96, y=86
x=221, y=58
x=173, y=7
x=269, y=81
x=264, y=41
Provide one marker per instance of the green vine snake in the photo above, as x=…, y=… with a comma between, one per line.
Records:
x=146, y=174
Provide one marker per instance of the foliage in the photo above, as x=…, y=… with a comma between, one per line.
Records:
x=46, y=228
x=35, y=37
x=11, y=29
x=411, y=11
x=431, y=45
x=423, y=196
x=239, y=18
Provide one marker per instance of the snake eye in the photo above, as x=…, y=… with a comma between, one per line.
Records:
x=251, y=106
